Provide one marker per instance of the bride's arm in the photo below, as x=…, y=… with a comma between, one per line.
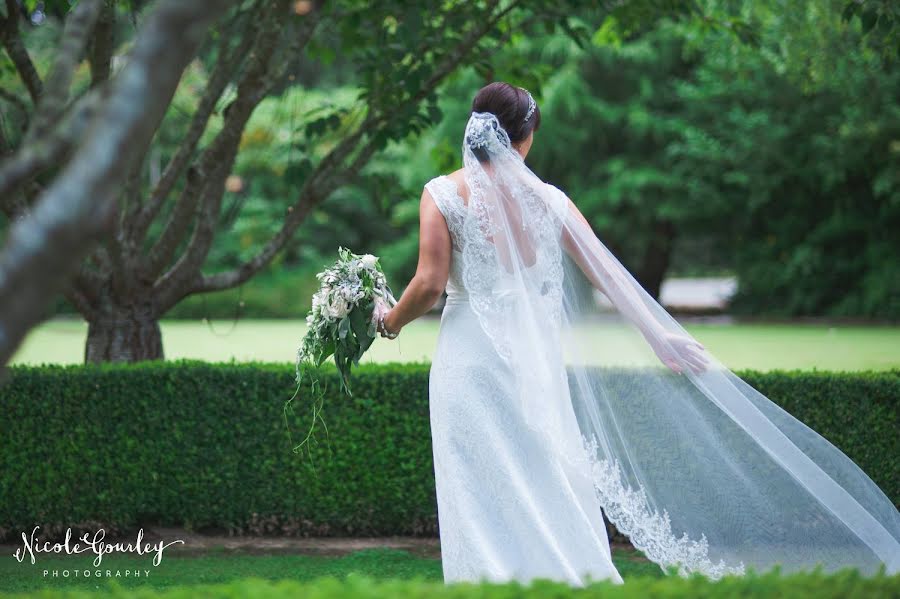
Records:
x=605, y=274
x=432, y=271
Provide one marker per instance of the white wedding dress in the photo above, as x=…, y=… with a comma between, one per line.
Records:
x=548, y=412
x=508, y=508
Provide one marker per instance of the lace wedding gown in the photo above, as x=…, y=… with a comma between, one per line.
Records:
x=548, y=412
x=508, y=507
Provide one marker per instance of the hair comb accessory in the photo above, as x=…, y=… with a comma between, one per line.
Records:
x=531, y=104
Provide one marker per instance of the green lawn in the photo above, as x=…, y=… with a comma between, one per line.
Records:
x=218, y=567
x=738, y=346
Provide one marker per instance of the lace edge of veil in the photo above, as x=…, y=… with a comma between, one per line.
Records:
x=648, y=530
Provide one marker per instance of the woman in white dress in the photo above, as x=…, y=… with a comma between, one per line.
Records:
x=547, y=411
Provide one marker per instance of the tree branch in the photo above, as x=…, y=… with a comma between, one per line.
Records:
x=460, y=52
x=179, y=219
x=323, y=182
x=308, y=26
x=131, y=200
x=87, y=284
x=40, y=154
x=41, y=147
x=121, y=277
x=217, y=161
x=12, y=42
x=43, y=250
x=140, y=218
x=103, y=44
x=13, y=204
x=79, y=301
x=55, y=95
x=16, y=101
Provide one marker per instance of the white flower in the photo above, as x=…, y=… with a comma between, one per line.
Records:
x=338, y=307
x=318, y=299
x=346, y=290
x=368, y=260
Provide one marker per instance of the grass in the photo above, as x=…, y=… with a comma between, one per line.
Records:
x=738, y=346
x=219, y=566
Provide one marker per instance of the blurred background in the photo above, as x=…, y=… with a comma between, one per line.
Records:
x=740, y=158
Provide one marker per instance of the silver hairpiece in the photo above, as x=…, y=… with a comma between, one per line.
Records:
x=531, y=104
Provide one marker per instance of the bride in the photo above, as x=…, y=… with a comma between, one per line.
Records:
x=548, y=411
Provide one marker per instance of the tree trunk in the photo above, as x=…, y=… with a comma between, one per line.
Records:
x=656, y=258
x=124, y=335
x=79, y=206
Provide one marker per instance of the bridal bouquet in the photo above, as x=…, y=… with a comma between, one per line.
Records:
x=353, y=294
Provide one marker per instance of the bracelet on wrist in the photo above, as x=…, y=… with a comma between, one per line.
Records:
x=387, y=333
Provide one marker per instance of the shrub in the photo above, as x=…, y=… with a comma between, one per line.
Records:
x=842, y=585
x=204, y=446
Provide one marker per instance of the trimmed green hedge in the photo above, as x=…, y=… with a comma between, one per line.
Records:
x=204, y=446
x=842, y=585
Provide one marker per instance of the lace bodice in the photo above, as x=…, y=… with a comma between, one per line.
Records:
x=445, y=193
x=473, y=265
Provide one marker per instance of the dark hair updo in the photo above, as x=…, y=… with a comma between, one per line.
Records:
x=509, y=104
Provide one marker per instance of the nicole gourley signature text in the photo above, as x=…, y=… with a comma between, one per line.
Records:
x=95, y=544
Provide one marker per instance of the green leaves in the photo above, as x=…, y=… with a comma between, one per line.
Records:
x=686, y=125
x=878, y=19
x=353, y=341
x=359, y=322
x=870, y=14
x=325, y=124
x=214, y=434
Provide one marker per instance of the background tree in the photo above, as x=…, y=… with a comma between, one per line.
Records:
x=55, y=226
x=166, y=228
x=805, y=158
x=774, y=161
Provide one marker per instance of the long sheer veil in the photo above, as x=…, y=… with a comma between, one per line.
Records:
x=690, y=462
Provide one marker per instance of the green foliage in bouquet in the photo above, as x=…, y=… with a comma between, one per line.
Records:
x=340, y=324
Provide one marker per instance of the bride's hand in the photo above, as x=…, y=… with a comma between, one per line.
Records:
x=379, y=316
x=673, y=349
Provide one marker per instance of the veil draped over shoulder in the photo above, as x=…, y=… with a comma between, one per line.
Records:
x=690, y=462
